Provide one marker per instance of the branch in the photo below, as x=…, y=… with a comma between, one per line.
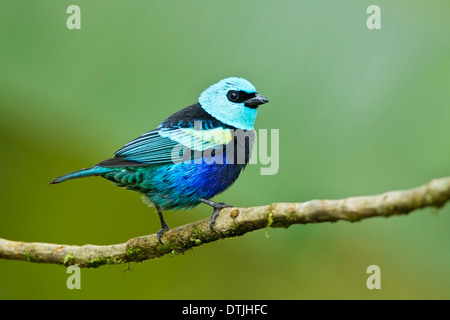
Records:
x=232, y=222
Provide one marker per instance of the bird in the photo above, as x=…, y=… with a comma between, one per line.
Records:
x=192, y=156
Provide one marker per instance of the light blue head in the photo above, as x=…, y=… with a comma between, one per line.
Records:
x=233, y=101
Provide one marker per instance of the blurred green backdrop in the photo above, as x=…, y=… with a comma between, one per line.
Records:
x=360, y=112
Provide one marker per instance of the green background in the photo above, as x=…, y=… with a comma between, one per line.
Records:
x=359, y=111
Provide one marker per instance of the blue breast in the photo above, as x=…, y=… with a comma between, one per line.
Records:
x=181, y=186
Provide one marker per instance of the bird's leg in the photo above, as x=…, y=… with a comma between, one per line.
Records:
x=164, y=226
x=217, y=206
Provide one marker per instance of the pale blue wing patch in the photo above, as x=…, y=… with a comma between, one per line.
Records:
x=169, y=145
x=199, y=140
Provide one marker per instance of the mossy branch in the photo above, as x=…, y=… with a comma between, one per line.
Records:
x=232, y=222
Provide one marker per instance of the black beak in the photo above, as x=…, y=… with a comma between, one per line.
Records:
x=255, y=101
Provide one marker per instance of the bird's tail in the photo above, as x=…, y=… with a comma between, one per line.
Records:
x=94, y=171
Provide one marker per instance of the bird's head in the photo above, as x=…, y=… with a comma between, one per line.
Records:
x=233, y=101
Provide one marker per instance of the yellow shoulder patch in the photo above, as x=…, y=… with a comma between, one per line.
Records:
x=219, y=136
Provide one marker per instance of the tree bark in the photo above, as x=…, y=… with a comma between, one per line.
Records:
x=232, y=222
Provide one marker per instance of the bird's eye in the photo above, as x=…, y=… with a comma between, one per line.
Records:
x=233, y=95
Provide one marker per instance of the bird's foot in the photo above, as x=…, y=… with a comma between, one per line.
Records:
x=160, y=233
x=217, y=207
